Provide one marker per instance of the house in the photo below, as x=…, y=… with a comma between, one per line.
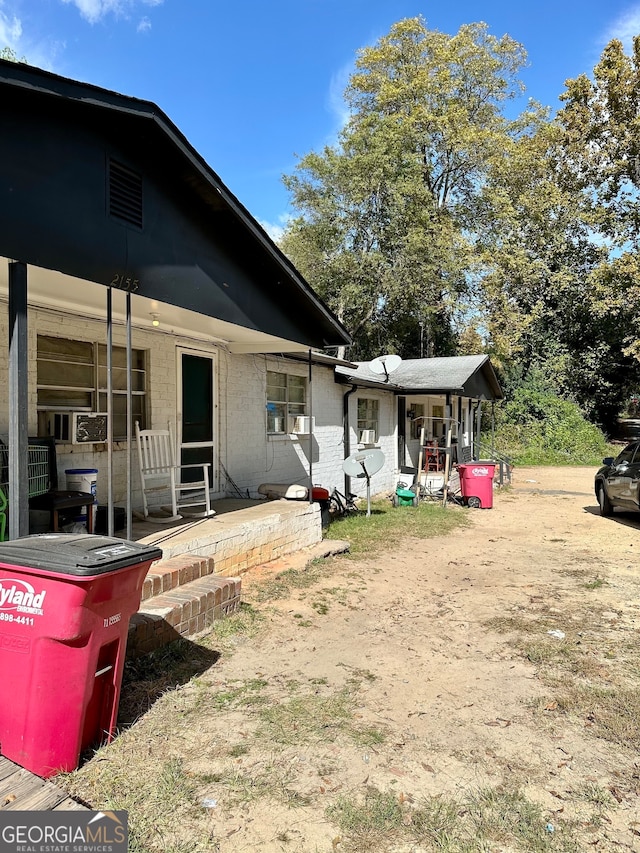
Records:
x=119, y=244
x=352, y=406
x=423, y=403
x=136, y=283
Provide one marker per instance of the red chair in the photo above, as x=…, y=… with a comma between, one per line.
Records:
x=433, y=457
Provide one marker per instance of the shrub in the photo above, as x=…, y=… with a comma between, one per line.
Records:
x=539, y=428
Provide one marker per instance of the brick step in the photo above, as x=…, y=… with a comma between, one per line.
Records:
x=174, y=572
x=181, y=610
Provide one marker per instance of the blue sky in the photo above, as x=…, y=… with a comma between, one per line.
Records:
x=253, y=84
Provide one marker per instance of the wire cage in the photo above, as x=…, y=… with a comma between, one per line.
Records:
x=37, y=469
x=37, y=474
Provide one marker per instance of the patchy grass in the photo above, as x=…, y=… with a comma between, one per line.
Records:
x=610, y=713
x=292, y=740
x=387, y=525
x=586, y=687
x=313, y=719
x=490, y=819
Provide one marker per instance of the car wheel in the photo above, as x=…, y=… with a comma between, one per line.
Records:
x=606, y=507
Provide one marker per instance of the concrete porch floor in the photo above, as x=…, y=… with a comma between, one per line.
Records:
x=235, y=519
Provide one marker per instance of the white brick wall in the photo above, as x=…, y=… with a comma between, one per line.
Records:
x=248, y=454
x=253, y=457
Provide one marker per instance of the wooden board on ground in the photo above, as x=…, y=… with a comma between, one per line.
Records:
x=21, y=790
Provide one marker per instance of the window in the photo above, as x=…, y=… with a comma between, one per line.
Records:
x=72, y=376
x=368, y=416
x=286, y=398
x=417, y=419
x=437, y=421
x=627, y=455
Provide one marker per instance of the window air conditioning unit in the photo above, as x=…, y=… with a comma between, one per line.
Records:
x=89, y=427
x=367, y=436
x=301, y=425
x=76, y=427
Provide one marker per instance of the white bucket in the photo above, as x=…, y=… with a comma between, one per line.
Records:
x=432, y=483
x=83, y=480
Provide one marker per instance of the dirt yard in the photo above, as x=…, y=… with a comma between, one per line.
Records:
x=418, y=701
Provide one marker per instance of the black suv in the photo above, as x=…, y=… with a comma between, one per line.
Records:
x=617, y=482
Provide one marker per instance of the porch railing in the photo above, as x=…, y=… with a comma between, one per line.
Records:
x=504, y=463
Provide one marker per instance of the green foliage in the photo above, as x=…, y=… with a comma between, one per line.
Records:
x=436, y=226
x=536, y=427
x=10, y=54
x=387, y=215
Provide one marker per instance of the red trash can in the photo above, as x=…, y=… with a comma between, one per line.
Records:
x=476, y=483
x=65, y=605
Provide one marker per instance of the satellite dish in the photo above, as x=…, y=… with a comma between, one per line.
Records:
x=385, y=364
x=364, y=463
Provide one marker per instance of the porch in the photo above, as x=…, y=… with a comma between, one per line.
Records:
x=198, y=580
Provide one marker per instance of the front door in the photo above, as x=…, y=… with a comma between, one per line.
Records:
x=196, y=413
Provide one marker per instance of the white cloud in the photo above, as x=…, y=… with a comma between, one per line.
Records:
x=10, y=30
x=94, y=10
x=335, y=100
x=625, y=27
x=277, y=229
x=144, y=25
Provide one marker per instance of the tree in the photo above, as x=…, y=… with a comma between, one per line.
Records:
x=387, y=216
x=601, y=124
x=10, y=54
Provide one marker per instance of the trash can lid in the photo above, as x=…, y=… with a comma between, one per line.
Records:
x=82, y=555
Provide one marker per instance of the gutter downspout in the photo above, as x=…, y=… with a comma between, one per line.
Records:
x=347, y=433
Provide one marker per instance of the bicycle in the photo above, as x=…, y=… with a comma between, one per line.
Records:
x=342, y=505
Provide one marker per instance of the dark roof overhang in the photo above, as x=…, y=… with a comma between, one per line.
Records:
x=203, y=251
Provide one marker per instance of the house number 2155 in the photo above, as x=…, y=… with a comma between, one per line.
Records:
x=125, y=282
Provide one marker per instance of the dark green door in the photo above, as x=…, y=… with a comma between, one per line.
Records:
x=197, y=427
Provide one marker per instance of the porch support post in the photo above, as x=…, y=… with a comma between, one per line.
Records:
x=478, y=422
x=129, y=414
x=18, y=402
x=110, y=522
x=310, y=429
x=493, y=429
x=447, y=456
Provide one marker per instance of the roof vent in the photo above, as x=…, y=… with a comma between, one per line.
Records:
x=125, y=194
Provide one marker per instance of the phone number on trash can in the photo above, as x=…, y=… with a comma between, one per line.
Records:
x=20, y=620
x=112, y=620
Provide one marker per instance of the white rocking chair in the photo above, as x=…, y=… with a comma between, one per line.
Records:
x=160, y=473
